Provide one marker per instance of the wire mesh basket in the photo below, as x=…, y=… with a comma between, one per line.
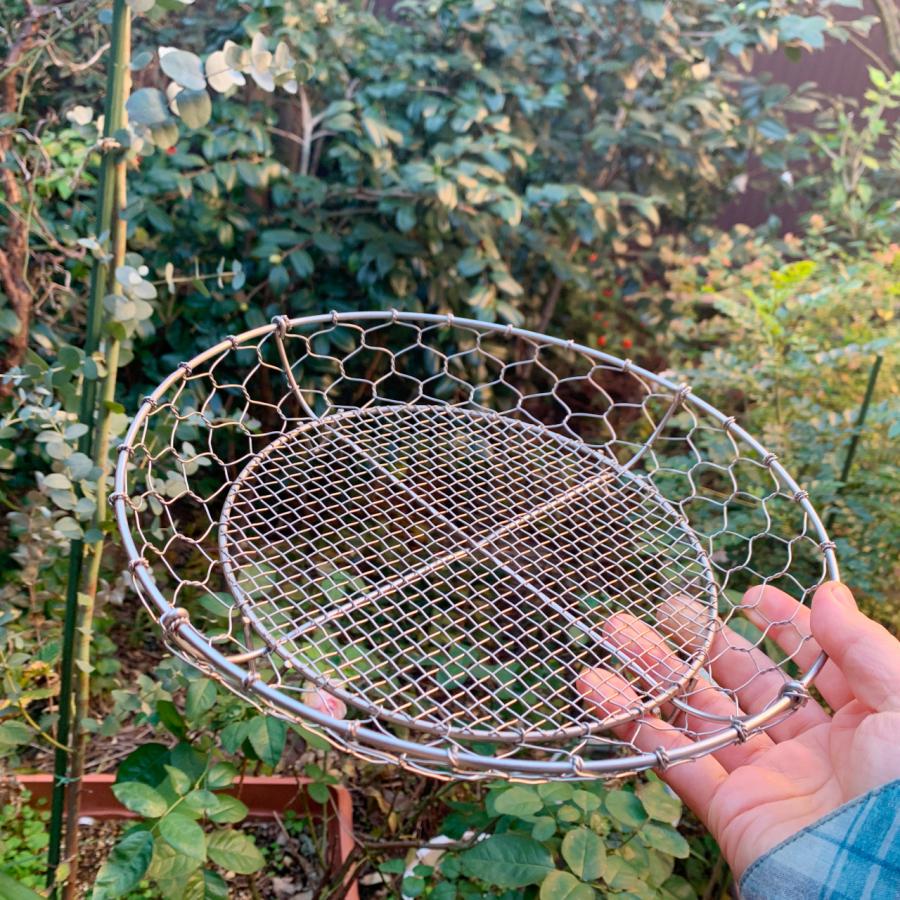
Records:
x=430, y=539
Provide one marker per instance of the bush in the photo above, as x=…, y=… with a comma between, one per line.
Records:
x=786, y=338
x=566, y=839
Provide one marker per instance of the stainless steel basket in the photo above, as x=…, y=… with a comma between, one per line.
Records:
x=430, y=539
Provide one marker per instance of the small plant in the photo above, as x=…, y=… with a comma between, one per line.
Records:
x=185, y=836
x=857, y=192
x=558, y=841
x=23, y=842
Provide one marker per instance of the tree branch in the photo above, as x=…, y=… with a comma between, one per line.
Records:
x=14, y=255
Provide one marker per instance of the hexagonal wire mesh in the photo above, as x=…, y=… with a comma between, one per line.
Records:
x=417, y=533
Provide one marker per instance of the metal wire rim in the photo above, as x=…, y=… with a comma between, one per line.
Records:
x=377, y=745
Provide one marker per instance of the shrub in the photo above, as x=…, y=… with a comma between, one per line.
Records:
x=565, y=838
x=787, y=340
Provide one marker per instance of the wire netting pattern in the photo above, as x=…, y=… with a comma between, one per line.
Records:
x=416, y=533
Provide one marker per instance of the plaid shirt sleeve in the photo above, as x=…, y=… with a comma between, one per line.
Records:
x=851, y=854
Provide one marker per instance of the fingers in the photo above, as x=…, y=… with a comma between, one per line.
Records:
x=736, y=665
x=644, y=650
x=740, y=666
x=634, y=640
x=865, y=653
x=695, y=782
x=780, y=617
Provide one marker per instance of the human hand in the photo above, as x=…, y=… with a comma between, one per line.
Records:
x=753, y=795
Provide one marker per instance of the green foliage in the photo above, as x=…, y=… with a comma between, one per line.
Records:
x=789, y=346
x=861, y=150
x=23, y=846
x=574, y=841
x=184, y=832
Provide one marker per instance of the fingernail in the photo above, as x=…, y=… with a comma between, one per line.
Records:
x=841, y=594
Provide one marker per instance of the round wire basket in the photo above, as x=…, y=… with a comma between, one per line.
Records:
x=429, y=539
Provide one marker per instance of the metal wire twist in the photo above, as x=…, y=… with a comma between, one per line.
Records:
x=415, y=533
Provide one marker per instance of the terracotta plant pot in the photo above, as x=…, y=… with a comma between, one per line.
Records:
x=264, y=796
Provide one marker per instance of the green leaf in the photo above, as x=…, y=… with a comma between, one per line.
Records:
x=228, y=810
x=142, y=58
x=183, y=834
x=267, y=735
x=205, y=884
x=318, y=792
x=507, y=860
x=380, y=133
x=163, y=135
x=413, y=886
x=10, y=889
x=190, y=760
x=179, y=780
x=146, y=765
x=233, y=735
x=14, y=733
x=148, y=106
x=564, y=886
x=626, y=808
x=677, y=888
x=584, y=853
x=446, y=890
x=140, y=798
x=665, y=839
x=234, y=851
x=125, y=867
x=183, y=67
x=518, y=801
x=393, y=866
x=171, y=718
x=201, y=697
x=555, y=792
x=141, y=6
x=586, y=800
x=659, y=802
x=808, y=29
x=221, y=775
x=194, y=108
x=70, y=357
x=569, y=813
x=170, y=868
x=302, y=263
x=544, y=828
x=200, y=801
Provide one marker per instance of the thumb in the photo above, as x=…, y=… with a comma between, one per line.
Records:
x=867, y=654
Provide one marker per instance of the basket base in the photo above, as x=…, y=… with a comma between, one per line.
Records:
x=452, y=570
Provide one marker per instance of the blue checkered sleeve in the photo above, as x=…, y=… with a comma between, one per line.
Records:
x=851, y=854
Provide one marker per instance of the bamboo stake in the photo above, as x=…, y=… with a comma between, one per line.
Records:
x=113, y=120
x=88, y=598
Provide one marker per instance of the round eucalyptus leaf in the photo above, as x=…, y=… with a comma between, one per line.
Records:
x=183, y=67
x=148, y=106
x=194, y=108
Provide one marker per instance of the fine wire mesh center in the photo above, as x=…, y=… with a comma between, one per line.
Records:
x=453, y=570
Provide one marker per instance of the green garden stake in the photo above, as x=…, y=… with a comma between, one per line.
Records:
x=114, y=117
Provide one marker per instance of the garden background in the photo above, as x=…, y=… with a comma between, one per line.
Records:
x=566, y=166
